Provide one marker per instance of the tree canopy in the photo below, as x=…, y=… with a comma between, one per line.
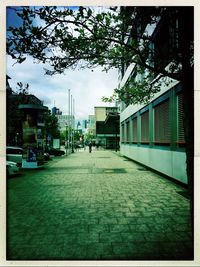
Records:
x=86, y=37
x=51, y=126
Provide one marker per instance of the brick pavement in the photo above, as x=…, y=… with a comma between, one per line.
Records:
x=97, y=206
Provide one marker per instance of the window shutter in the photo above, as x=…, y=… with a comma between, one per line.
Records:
x=122, y=132
x=134, y=130
x=181, y=133
x=127, y=132
x=145, y=127
x=162, y=133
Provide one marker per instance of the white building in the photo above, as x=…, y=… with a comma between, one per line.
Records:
x=91, y=125
x=152, y=134
x=64, y=121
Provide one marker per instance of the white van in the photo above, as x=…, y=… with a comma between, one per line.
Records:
x=14, y=154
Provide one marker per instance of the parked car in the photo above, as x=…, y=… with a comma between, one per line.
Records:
x=55, y=152
x=14, y=154
x=46, y=156
x=80, y=146
x=12, y=168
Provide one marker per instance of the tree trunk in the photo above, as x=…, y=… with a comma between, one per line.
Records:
x=186, y=36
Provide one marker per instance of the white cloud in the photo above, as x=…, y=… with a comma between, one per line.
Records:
x=87, y=87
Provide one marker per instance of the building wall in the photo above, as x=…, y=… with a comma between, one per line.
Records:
x=153, y=134
x=166, y=156
x=100, y=113
x=91, y=125
x=170, y=163
x=106, y=133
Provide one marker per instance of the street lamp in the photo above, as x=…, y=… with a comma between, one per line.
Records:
x=68, y=121
x=66, y=141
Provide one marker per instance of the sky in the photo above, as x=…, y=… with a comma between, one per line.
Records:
x=86, y=87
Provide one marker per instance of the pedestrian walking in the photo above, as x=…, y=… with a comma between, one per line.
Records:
x=90, y=147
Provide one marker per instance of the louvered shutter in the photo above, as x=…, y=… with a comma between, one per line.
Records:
x=162, y=131
x=122, y=133
x=145, y=127
x=134, y=123
x=127, y=132
x=181, y=133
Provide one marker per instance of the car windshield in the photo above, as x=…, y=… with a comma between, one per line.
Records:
x=14, y=151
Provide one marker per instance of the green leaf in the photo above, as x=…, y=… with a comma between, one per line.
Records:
x=89, y=12
x=20, y=60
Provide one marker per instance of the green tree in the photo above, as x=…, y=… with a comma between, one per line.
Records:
x=13, y=115
x=77, y=136
x=86, y=38
x=51, y=127
x=89, y=137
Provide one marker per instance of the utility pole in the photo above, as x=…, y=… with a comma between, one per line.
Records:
x=73, y=119
x=71, y=122
x=68, y=141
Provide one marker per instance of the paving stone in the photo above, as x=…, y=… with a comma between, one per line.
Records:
x=119, y=228
x=132, y=237
x=156, y=237
x=98, y=228
x=68, y=211
x=88, y=238
x=144, y=220
x=75, y=228
x=161, y=227
x=66, y=239
x=176, y=250
x=149, y=250
x=178, y=236
x=125, y=248
x=110, y=238
x=139, y=228
x=74, y=251
x=96, y=250
x=106, y=220
x=127, y=220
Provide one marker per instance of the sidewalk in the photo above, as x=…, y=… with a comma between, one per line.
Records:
x=97, y=206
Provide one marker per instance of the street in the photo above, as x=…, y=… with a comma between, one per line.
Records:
x=96, y=206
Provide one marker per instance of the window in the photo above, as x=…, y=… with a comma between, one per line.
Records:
x=122, y=133
x=134, y=125
x=16, y=151
x=145, y=127
x=162, y=132
x=181, y=133
x=128, y=132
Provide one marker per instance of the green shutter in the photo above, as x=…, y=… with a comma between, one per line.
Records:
x=134, y=123
x=162, y=132
x=181, y=133
x=145, y=127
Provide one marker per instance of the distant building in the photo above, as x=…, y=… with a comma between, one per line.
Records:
x=102, y=112
x=91, y=125
x=18, y=106
x=64, y=121
x=78, y=126
x=56, y=111
x=107, y=126
x=85, y=124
